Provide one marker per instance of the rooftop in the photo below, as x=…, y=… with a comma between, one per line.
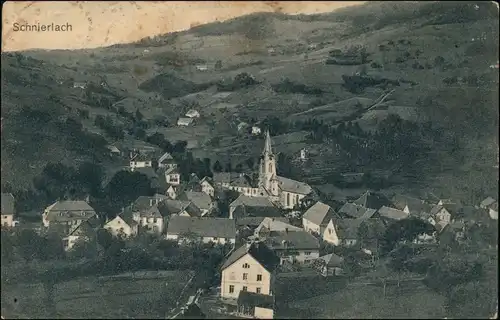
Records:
x=293, y=186
x=270, y=224
x=70, y=205
x=242, y=211
x=299, y=240
x=319, y=213
x=372, y=200
x=8, y=203
x=200, y=199
x=259, y=251
x=392, y=213
x=204, y=227
x=251, y=201
x=356, y=211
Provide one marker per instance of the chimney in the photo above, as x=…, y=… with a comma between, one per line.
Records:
x=150, y=202
x=286, y=230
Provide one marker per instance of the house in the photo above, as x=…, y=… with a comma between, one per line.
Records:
x=303, y=154
x=180, y=208
x=444, y=213
x=203, y=229
x=148, y=212
x=166, y=161
x=202, y=67
x=243, y=211
x=8, y=210
x=81, y=85
x=123, y=225
x=207, y=186
x=317, y=217
x=192, y=114
x=371, y=200
x=392, y=214
x=329, y=265
x=242, y=126
x=141, y=160
x=173, y=176
x=493, y=211
x=200, y=199
x=238, y=182
x=413, y=206
x=113, y=150
x=347, y=231
x=67, y=212
x=255, y=305
x=293, y=246
x=487, y=203
x=251, y=223
x=247, y=201
x=252, y=268
x=85, y=231
x=354, y=211
x=269, y=225
x=185, y=122
x=256, y=130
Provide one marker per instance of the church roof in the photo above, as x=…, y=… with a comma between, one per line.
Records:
x=319, y=213
x=268, y=146
x=293, y=186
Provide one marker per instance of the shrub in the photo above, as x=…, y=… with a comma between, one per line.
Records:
x=376, y=65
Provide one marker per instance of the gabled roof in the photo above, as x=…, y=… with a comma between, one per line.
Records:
x=200, y=199
x=355, y=211
x=242, y=211
x=185, y=121
x=142, y=157
x=257, y=250
x=173, y=170
x=332, y=260
x=126, y=216
x=166, y=157
x=8, y=203
x=251, y=202
x=173, y=207
x=494, y=206
x=203, y=227
x=348, y=228
x=485, y=203
x=392, y=213
x=70, y=205
x=143, y=203
x=256, y=221
x=86, y=228
x=270, y=224
x=372, y=200
x=252, y=300
x=192, y=113
x=414, y=204
x=299, y=240
x=319, y=213
x=293, y=186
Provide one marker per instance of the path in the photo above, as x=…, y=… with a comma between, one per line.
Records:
x=190, y=289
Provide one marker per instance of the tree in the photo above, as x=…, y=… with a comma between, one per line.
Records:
x=104, y=238
x=90, y=176
x=228, y=167
x=217, y=166
x=7, y=247
x=127, y=186
x=239, y=168
x=405, y=230
x=439, y=60
x=250, y=162
x=29, y=243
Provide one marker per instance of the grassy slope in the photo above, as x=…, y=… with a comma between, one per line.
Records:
x=433, y=29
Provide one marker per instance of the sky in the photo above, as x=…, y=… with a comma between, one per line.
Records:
x=98, y=24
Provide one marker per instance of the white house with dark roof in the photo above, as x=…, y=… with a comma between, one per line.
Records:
x=252, y=268
x=317, y=217
x=122, y=225
x=271, y=225
x=207, y=186
x=166, y=161
x=192, y=114
x=203, y=229
x=8, y=210
x=141, y=160
x=354, y=211
x=185, y=122
x=180, y=208
x=67, y=212
x=392, y=213
x=293, y=246
x=85, y=231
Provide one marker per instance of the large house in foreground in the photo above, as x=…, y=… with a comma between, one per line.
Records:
x=252, y=268
x=67, y=212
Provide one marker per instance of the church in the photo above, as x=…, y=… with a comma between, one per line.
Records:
x=284, y=192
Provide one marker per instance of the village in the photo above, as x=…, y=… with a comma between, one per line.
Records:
x=273, y=226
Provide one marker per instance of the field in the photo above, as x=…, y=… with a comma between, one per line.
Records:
x=148, y=295
x=359, y=301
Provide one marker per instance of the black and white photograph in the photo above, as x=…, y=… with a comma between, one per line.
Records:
x=249, y=160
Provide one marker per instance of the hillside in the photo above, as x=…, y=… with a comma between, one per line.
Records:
x=423, y=51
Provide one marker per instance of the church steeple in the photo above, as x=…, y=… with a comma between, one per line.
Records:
x=267, y=146
x=267, y=172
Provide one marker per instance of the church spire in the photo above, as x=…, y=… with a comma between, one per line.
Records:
x=267, y=147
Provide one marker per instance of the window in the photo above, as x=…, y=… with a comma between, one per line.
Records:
x=245, y=276
x=246, y=266
x=307, y=253
x=259, y=277
x=330, y=231
x=257, y=290
x=231, y=289
x=155, y=220
x=245, y=288
x=214, y=238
